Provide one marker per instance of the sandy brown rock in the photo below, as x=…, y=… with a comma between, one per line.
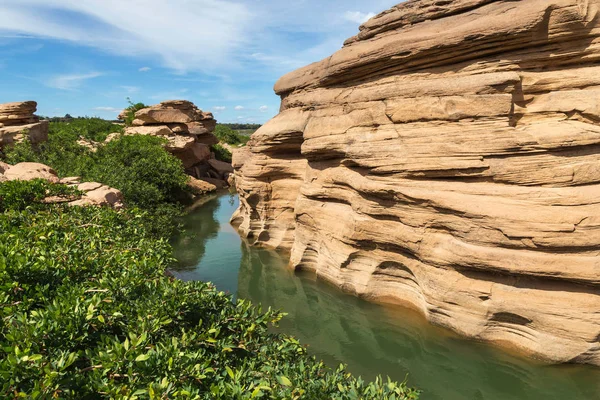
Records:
x=222, y=168
x=200, y=187
x=99, y=195
x=173, y=111
x=36, y=133
x=19, y=113
x=194, y=154
x=4, y=167
x=445, y=159
x=28, y=171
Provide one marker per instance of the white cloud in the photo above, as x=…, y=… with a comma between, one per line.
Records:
x=358, y=17
x=131, y=89
x=264, y=109
x=144, y=69
x=185, y=35
x=239, y=108
x=219, y=108
x=108, y=109
x=70, y=82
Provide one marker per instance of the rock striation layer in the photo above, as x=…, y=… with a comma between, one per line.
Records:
x=18, y=121
x=447, y=158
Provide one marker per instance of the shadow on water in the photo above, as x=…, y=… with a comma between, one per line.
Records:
x=372, y=339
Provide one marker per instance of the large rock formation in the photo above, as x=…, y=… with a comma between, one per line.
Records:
x=188, y=131
x=18, y=121
x=448, y=159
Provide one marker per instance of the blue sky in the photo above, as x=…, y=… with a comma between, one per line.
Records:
x=85, y=57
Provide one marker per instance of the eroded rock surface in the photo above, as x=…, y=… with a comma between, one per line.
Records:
x=18, y=122
x=448, y=159
x=188, y=131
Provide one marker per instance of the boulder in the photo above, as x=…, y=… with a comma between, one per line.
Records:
x=218, y=183
x=28, y=171
x=155, y=130
x=36, y=132
x=200, y=187
x=89, y=186
x=208, y=140
x=179, y=143
x=4, y=167
x=193, y=154
x=18, y=113
x=446, y=159
x=70, y=180
x=222, y=168
x=174, y=111
x=100, y=196
x=201, y=127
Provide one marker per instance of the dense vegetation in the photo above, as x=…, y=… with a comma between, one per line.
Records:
x=221, y=153
x=148, y=175
x=226, y=134
x=243, y=127
x=87, y=309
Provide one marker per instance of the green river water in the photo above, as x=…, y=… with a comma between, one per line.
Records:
x=372, y=339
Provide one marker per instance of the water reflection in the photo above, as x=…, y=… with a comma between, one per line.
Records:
x=371, y=339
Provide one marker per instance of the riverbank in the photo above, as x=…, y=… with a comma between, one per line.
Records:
x=88, y=309
x=372, y=339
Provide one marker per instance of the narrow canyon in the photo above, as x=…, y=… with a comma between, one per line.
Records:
x=447, y=159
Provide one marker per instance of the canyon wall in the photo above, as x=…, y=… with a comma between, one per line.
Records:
x=447, y=158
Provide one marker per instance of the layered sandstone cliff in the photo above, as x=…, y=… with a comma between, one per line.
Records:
x=448, y=159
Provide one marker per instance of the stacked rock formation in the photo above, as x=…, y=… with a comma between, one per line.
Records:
x=94, y=194
x=18, y=121
x=187, y=129
x=447, y=159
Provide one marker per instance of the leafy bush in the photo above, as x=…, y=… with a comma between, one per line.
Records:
x=131, y=110
x=18, y=195
x=221, y=153
x=88, y=312
x=141, y=168
x=225, y=134
x=61, y=151
x=137, y=165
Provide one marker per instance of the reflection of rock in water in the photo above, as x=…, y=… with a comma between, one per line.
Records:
x=376, y=340
x=199, y=226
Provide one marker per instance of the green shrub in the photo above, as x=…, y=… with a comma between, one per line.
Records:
x=221, y=153
x=137, y=165
x=18, y=195
x=131, y=110
x=225, y=134
x=87, y=312
x=141, y=168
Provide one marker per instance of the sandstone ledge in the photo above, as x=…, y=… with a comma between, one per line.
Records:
x=447, y=159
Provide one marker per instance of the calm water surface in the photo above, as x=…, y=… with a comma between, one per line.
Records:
x=372, y=339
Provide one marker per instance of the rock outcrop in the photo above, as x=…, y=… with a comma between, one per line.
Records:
x=187, y=129
x=18, y=121
x=94, y=194
x=447, y=159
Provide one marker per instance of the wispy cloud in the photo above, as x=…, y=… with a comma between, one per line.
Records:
x=358, y=17
x=219, y=108
x=107, y=109
x=130, y=89
x=174, y=30
x=263, y=109
x=144, y=69
x=239, y=108
x=72, y=81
